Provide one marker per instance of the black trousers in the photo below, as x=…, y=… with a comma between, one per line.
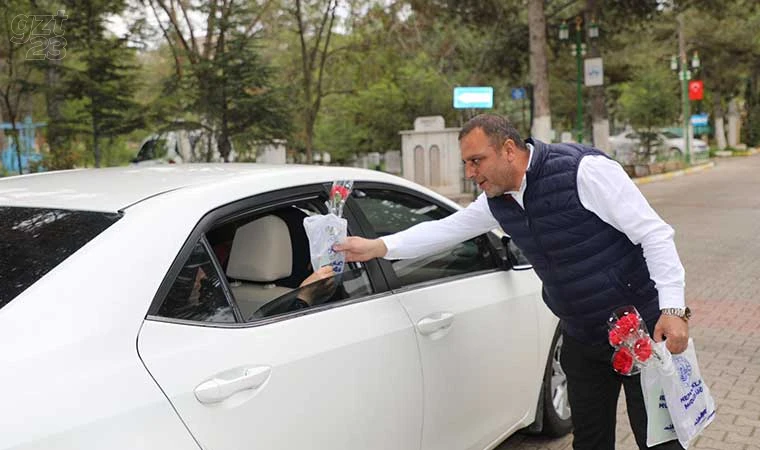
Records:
x=593, y=389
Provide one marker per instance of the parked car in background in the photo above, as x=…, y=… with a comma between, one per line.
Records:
x=180, y=146
x=152, y=308
x=628, y=148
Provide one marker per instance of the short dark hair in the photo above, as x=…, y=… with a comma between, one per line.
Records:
x=497, y=128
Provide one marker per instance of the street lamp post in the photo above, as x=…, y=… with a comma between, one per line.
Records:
x=579, y=51
x=684, y=75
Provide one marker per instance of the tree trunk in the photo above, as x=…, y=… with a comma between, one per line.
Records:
x=733, y=123
x=14, y=135
x=53, y=100
x=96, y=147
x=309, y=137
x=599, y=118
x=539, y=73
x=720, y=132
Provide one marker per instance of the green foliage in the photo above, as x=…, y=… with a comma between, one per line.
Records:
x=220, y=82
x=649, y=102
x=100, y=77
x=387, y=63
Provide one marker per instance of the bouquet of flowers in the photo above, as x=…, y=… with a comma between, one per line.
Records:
x=327, y=230
x=628, y=335
x=677, y=400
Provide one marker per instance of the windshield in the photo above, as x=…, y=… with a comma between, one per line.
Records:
x=670, y=134
x=35, y=240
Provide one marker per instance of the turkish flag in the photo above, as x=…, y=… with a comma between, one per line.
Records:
x=696, y=90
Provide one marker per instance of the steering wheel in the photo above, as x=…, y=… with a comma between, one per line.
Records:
x=280, y=305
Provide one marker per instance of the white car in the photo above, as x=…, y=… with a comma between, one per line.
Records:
x=627, y=147
x=152, y=308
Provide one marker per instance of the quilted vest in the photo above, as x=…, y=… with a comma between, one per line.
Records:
x=588, y=268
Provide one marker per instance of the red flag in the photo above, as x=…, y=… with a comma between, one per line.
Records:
x=696, y=90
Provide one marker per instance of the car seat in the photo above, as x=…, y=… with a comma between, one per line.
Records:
x=261, y=254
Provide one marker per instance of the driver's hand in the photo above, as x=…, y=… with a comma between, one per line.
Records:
x=310, y=289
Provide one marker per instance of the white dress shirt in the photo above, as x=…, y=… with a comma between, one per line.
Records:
x=603, y=188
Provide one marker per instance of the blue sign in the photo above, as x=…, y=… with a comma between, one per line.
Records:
x=518, y=93
x=473, y=97
x=699, y=120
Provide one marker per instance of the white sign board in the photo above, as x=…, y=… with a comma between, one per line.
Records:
x=594, y=72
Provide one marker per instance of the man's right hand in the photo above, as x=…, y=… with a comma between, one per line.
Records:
x=361, y=249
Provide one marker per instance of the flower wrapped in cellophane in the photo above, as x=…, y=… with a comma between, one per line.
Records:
x=327, y=230
x=628, y=335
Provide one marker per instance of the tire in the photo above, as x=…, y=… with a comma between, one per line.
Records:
x=674, y=153
x=557, y=419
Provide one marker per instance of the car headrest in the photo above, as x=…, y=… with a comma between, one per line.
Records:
x=261, y=251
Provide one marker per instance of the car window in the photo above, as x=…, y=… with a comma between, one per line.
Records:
x=389, y=211
x=197, y=293
x=266, y=260
x=35, y=240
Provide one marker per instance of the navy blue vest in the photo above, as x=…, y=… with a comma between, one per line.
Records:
x=588, y=268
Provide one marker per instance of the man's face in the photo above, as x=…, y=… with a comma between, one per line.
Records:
x=491, y=167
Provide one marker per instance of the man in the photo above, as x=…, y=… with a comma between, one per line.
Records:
x=593, y=240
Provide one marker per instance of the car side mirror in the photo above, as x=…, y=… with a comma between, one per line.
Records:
x=507, y=259
x=513, y=257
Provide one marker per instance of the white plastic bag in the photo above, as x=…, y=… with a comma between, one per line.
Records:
x=687, y=395
x=324, y=232
x=659, y=424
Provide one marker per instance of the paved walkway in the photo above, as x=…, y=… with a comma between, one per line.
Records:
x=716, y=215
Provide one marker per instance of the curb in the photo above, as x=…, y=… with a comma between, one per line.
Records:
x=677, y=173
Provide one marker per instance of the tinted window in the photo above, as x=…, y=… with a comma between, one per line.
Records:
x=197, y=292
x=389, y=212
x=35, y=240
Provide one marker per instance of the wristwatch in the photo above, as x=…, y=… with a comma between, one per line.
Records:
x=684, y=313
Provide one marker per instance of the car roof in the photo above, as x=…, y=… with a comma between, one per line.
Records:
x=116, y=188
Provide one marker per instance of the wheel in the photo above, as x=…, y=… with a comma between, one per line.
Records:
x=554, y=406
x=674, y=153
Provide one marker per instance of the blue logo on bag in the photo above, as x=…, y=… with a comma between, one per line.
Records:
x=684, y=369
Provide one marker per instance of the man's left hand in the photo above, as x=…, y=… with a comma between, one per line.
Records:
x=674, y=330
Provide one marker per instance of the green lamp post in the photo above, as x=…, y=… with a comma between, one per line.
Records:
x=579, y=51
x=685, y=75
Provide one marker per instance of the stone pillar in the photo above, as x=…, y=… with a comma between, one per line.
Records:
x=430, y=155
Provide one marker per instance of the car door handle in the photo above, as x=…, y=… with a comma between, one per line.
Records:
x=218, y=389
x=435, y=322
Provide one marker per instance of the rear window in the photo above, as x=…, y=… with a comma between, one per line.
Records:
x=35, y=240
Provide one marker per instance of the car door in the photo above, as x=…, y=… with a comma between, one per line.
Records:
x=339, y=375
x=475, y=325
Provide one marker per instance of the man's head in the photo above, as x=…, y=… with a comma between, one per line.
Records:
x=493, y=153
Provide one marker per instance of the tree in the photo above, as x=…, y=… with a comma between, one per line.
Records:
x=229, y=87
x=727, y=56
x=648, y=103
x=101, y=77
x=15, y=70
x=539, y=72
x=314, y=25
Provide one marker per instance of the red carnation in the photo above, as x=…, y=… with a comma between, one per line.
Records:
x=629, y=322
x=622, y=361
x=340, y=191
x=616, y=337
x=643, y=349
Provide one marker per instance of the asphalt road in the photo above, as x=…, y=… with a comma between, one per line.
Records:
x=716, y=215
